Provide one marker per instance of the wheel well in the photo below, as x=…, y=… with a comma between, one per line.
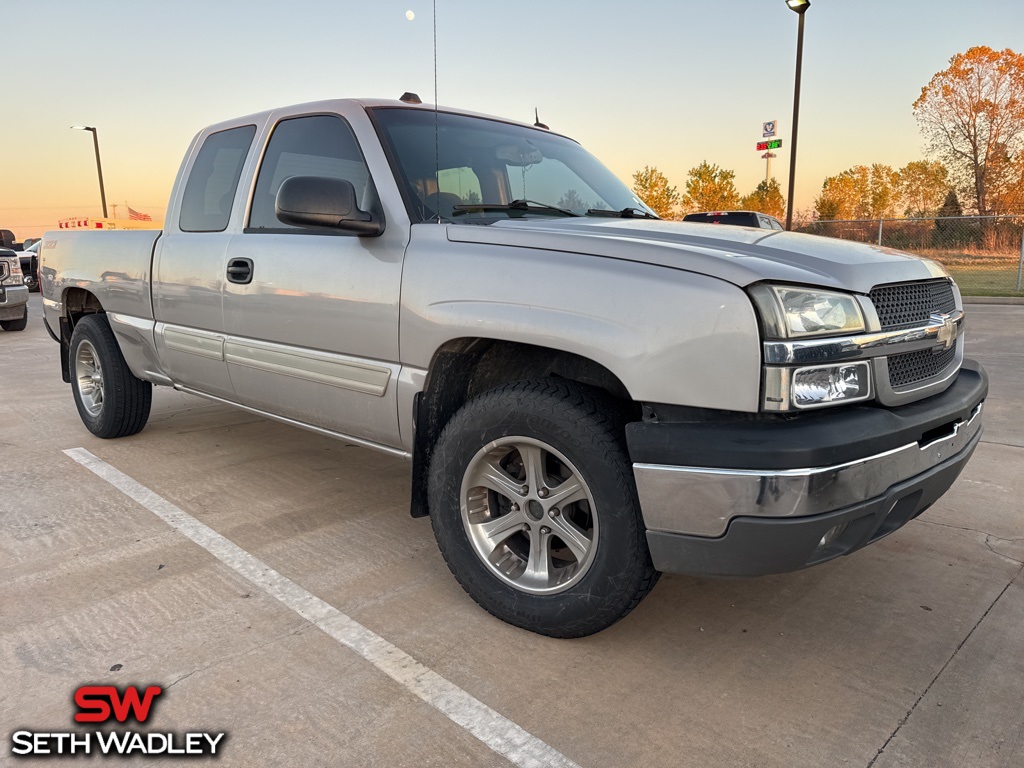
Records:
x=465, y=368
x=78, y=302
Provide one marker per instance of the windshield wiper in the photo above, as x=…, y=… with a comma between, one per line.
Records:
x=625, y=213
x=515, y=209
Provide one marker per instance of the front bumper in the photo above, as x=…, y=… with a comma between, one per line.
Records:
x=758, y=496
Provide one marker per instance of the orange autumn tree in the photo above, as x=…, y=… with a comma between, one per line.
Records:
x=972, y=114
x=653, y=188
x=766, y=198
x=710, y=188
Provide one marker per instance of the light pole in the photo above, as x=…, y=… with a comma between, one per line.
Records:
x=800, y=7
x=99, y=168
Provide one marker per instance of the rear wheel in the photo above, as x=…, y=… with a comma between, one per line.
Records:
x=534, y=508
x=16, y=325
x=111, y=400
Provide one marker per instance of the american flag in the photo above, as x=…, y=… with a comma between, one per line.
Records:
x=134, y=215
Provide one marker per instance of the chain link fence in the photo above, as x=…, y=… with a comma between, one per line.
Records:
x=985, y=254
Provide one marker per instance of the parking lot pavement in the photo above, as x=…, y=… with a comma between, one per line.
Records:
x=908, y=653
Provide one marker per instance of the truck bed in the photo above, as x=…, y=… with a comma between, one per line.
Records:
x=113, y=266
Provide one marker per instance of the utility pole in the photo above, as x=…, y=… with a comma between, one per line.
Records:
x=99, y=168
x=800, y=7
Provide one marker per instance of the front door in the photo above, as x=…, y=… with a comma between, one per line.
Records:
x=312, y=329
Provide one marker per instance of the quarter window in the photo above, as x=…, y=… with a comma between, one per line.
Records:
x=210, y=189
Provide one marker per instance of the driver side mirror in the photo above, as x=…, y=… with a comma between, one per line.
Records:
x=319, y=201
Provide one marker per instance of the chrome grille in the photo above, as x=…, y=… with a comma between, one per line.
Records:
x=906, y=305
x=913, y=367
x=3, y=269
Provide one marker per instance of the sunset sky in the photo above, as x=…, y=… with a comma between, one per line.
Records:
x=663, y=83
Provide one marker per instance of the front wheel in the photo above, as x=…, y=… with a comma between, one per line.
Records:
x=534, y=508
x=111, y=400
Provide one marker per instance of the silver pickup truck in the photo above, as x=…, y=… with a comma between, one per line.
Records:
x=588, y=395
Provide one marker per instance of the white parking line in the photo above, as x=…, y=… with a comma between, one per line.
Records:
x=493, y=729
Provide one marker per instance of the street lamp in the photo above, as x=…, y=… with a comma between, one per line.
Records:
x=800, y=7
x=99, y=168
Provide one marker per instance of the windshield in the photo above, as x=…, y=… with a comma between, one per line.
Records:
x=481, y=171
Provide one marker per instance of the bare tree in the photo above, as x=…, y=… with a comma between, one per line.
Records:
x=972, y=114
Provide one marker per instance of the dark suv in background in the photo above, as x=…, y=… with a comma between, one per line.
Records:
x=736, y=218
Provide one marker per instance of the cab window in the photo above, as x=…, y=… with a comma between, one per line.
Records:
x=314, y=145
x=210, y=189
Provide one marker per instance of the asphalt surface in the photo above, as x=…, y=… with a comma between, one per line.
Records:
x=907, y=653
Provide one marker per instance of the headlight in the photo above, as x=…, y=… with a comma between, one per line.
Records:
x=791, y=312
x=14, y=268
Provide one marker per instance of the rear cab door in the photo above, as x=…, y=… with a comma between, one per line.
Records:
x=189, y=260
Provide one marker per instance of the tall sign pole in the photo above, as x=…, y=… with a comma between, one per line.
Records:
x=796, y=113
x=767, y=147
x=768, y=130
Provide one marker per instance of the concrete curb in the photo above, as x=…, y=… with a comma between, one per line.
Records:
x=993, y=300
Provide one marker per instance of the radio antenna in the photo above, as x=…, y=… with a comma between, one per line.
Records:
x=437, y=135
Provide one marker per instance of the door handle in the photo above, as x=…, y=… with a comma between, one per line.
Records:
x=240, y=271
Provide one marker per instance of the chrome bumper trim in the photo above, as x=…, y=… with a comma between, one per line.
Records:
x=701, y=501
x=941, y=331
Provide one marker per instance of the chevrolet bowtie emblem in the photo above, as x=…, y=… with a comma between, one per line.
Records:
x=946, y=335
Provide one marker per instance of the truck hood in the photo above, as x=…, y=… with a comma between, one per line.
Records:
x=739, y=255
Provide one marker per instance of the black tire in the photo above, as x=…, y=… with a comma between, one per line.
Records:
x=124, y=404
x=16, y=325
x=583, y=427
